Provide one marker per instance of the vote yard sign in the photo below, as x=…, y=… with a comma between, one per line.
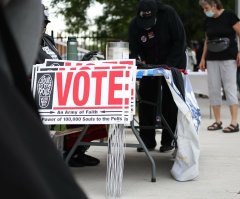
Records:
x=85, y=93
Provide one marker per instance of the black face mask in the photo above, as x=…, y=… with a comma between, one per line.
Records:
x=152, y=25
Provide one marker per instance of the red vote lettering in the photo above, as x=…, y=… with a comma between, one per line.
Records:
x=63, y=92
x=114, y=87
x=82, y=79
x=99, y=76
x=86, y=81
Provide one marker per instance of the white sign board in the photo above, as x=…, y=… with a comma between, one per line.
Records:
x=85, y=92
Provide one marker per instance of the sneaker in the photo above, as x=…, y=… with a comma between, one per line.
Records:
x=166, y=148
x=83, y=160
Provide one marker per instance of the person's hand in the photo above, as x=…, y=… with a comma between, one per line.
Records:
x=88, y=56
x=141, y=64
x=202, y=65
x=238, y=59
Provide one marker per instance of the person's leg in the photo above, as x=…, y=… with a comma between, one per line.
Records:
x=214, y=88
x=147, y=113
x=217, y=112
x=238, y=78
x=169, y=110
x=229, y=69
x=234, y=114
x=80, y=158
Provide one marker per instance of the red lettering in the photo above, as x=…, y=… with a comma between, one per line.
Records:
x=86, y=81
x=99, y=76
x=63, y=91
x=114, y=87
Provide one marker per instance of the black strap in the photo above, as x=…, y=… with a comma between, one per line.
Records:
x=178, y=81
x=15, y=61
x=51, y=45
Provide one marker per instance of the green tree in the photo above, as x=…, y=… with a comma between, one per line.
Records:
x=193, y=17
x=113, y=21
x=117, y=15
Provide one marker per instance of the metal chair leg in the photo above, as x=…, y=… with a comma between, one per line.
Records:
x=69, y=155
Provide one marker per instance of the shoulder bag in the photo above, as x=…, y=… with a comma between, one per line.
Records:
x=218, y=45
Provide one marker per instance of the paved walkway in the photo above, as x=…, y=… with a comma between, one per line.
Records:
x=219, y=168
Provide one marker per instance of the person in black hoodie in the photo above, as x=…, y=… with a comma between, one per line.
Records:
x=157, y=37
x=48, y=50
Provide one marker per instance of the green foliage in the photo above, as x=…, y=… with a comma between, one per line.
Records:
x=74, y=12
x=117, y=15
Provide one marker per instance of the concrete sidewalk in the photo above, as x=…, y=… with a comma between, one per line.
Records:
x=219, y=168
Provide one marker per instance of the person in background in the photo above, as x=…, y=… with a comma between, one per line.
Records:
x=157, y=36
x=220, y=54
x=48, y=50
